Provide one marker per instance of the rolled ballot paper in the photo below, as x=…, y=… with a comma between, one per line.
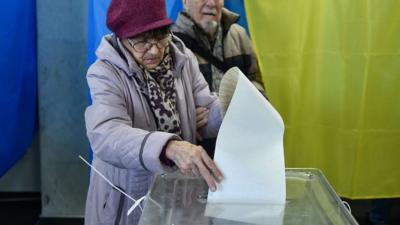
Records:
x=249, y=151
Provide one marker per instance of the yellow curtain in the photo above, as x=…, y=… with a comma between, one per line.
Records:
x=332, y=69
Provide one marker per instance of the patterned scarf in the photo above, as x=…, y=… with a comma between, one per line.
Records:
x=160, y=93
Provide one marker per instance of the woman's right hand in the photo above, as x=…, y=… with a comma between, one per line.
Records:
x=193, y=159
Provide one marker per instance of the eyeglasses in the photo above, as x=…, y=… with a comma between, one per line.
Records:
x=144, y=46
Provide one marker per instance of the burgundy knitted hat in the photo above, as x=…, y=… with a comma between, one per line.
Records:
x=128, y=18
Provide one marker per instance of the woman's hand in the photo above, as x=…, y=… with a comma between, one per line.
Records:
x=201, y=120
x=194, y=160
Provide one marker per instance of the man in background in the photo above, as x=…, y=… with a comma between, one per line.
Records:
x=219, y=43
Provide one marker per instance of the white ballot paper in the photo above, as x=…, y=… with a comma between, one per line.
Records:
x=249, y=151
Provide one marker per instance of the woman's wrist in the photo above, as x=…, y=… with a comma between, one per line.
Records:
x=166, y=154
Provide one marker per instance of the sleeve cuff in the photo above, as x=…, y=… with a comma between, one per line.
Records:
x=152, y=148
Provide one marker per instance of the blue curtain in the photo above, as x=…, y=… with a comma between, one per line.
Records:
x=173, y=8
x=18, y=88
x=237, y=6
x=97, y=25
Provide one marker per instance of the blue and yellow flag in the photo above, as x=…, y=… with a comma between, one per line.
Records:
x=332, y=69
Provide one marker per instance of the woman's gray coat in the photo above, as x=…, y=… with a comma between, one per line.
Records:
x=122, y=130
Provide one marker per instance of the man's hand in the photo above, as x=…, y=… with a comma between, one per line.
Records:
x=201, y=120
x=194, y=160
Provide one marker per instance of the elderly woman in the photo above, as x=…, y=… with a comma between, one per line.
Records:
x=150, y=101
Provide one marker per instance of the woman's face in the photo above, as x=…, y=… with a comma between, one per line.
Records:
x=150, y=52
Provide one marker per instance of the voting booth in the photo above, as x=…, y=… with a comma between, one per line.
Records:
x=175, y=199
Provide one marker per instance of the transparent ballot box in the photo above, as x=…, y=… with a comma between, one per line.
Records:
x=175, y=199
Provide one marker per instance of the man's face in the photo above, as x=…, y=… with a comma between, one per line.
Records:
x=206, y=13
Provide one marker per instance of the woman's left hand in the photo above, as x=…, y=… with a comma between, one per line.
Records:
x=201, y=120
